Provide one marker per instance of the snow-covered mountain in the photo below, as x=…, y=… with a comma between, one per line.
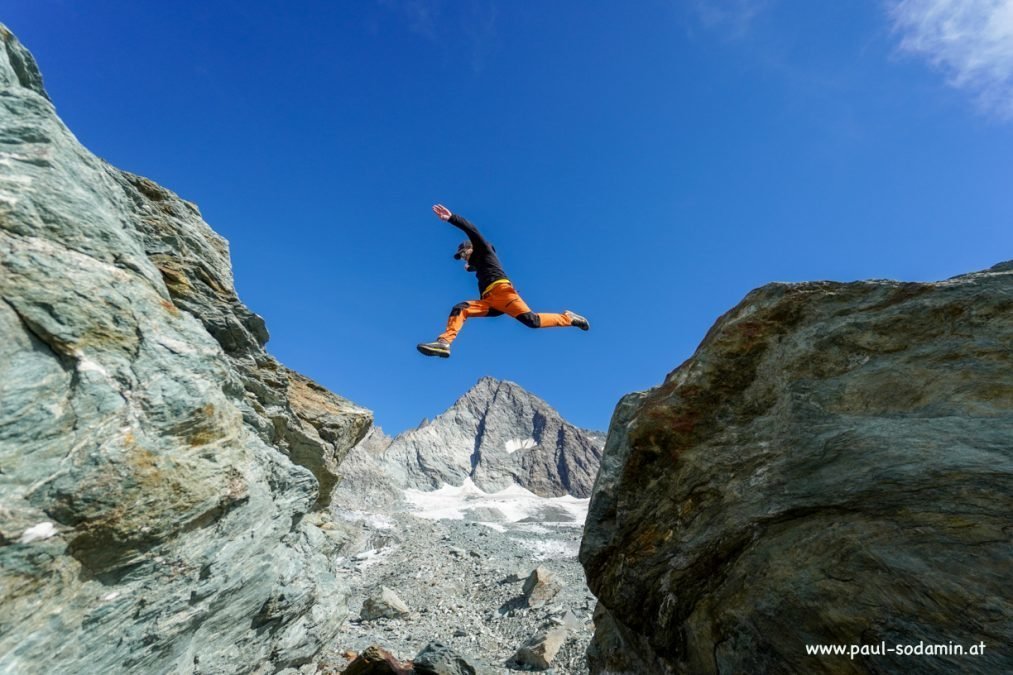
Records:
x=497, y=435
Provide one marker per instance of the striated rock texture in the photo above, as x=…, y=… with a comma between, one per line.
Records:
x=497, y=434
x=364, y=483
x=161, y=476
x=834, y=464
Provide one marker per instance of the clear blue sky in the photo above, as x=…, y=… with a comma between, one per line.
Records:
x=643, y=163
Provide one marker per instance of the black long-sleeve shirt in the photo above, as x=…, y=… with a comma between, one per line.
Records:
x=483, y=261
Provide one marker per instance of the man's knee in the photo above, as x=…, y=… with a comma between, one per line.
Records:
x=458, y=308
x=530, y=319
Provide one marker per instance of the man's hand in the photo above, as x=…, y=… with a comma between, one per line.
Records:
x=442, y=212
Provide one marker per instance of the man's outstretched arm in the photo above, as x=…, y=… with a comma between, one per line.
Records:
x=462, y=224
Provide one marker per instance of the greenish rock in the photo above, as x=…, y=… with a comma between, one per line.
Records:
x=162, y=477
x=834, y=465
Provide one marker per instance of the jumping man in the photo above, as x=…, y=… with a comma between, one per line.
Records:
x=498, y=296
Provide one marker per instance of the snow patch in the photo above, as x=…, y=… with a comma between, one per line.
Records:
x=494, y=526
x=373, y=520
x=532, y=528
x=514, y=502
x=371, y=556
x=520, y=444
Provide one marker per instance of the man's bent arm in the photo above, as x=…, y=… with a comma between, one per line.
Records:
x=462, y=224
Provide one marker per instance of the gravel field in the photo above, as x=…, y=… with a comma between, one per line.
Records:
x=462, y=577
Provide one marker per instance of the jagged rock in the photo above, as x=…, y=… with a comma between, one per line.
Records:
x=832, y=466
x=497, y=434
x=364, y=482
x=540, y=587
x=375, y=661
x=597, y=437
x=539, y=651
x=160, y=472
x=329, y=426
x=439, y=659
x=385, y=605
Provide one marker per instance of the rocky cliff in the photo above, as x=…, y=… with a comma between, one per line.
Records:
x=833, y=465
x=497, y=434
x=161, y=476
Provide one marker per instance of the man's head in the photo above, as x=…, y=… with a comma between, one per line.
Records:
x=464, y=251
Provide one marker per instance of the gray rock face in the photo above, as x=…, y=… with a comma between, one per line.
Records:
x=496, y=434
x=597, y=437
x=832, y=466
x=365, y=483
x=160, y=474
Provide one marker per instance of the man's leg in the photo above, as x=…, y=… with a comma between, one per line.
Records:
x=459, y=314
x=505, y=299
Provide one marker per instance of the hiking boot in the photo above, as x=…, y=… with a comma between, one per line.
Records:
x=437, y=348
x=577, y=320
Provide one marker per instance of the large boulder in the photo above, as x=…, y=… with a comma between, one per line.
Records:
x=540, y=587
x=437, y=658
x=541, y=649
x=377, y=661
x=834, y=465
x=383, y=604
x=161, y=476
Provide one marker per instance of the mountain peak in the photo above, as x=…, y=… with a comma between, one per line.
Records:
x=490, y=391
x=497, y=434
x=489, y=383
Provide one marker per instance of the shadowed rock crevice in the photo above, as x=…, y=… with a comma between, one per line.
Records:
x=43, y=341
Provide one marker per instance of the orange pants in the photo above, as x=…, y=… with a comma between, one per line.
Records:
x=498, y=300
